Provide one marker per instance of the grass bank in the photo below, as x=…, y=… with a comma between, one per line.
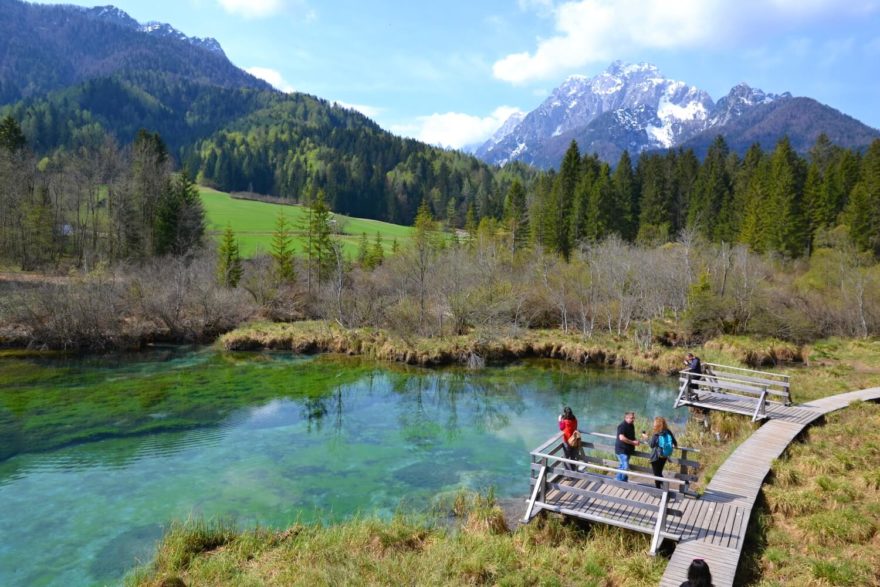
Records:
x=601, y=349
x=819, y=521
x=477, y=549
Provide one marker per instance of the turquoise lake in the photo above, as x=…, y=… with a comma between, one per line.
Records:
x=98, y=454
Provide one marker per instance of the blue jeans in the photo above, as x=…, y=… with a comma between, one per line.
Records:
x=623, y=460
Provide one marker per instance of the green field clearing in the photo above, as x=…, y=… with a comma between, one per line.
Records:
x=253, y=223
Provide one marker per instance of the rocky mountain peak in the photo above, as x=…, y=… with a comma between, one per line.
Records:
x=121, y=18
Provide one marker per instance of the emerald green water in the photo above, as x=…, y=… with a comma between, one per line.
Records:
x=98, y=454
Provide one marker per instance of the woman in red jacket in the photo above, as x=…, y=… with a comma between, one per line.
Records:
x=568, y=423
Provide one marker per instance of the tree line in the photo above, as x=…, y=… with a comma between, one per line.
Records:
x=94, y=205
x=774, y=202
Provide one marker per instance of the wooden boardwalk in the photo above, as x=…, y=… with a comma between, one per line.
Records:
x=713, y=528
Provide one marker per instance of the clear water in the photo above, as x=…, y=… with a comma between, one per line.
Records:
x=98, y=454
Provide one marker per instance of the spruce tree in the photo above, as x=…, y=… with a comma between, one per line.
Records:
x=516, y=217
x=563, y=199
x=321, y=248
x=712, y=192
x=281, y=251
x=376, y=255
x=787, y=226
x=363, y=250
x=229, y=268
x=625, y=194
x=863, y=212
x=180, y=225
x=601, y=220
x=12, y=138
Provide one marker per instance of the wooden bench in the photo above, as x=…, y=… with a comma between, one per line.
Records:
x=587, y=491
x=714, y=388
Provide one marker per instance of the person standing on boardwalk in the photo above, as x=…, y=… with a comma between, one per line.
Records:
x=698, y=574
x=693, y=365
x=568, y=423
x=626, y=443
x=662, y=443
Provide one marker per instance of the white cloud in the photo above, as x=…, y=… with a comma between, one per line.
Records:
x=266, y=8
x=370, y=111
x=455, y=129
x=272, y=76
x=252, y=8
x=590, y=31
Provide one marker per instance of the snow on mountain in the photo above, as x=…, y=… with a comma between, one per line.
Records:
x=121, y=18
x=740, y=98
x=681, y=110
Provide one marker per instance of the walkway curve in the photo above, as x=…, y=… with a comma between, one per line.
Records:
x=738, y=482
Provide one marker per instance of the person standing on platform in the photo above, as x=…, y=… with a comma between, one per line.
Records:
x=626, y=443
x=693, y=365
x=568, y=423
x=662, y=443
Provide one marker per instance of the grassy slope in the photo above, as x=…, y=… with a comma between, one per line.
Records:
x=798, y=540
x=253, y=223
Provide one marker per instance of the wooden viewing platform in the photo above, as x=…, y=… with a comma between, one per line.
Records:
x=712, y=527
x=758, y=394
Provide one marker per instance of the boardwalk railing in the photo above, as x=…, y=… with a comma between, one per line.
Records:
x=734, y=389
x=599, y=444
x=583, y=489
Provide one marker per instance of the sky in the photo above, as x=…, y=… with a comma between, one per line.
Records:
x=450, y=72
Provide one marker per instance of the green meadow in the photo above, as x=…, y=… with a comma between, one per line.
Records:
x=253, y=223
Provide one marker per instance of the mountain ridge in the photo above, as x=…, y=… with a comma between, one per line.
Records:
x=636, y=108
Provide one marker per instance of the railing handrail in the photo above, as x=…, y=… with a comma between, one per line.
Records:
x=720, y=380
x=612, y=437
x=608, y=469
x=780, y=375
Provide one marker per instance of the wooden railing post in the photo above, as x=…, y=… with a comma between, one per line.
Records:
x=683, y=469
x=661, y=523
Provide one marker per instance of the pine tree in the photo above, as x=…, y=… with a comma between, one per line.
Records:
x=281, y=251
x=563, y=200
x=12, y=138
x=321, y=249
x=787, y=226
x=516, y=218
x=602, y=210
x=363, y=250
x=376, y=254
x=655, y=215
x=180, y=225
x=229, y=268
x=712, y=192
x=863, y=212
x=625, y=194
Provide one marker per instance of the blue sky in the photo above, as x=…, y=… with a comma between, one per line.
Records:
x=450, y=72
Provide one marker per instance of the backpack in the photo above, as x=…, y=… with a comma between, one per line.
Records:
x=574, y=441
x=664, y=441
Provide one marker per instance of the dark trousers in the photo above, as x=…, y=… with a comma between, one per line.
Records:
x=570, y=453
x=657, y=467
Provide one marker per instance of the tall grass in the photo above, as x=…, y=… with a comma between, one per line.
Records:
x=820, y=524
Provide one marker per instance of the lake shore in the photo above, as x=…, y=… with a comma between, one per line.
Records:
x=476, y=348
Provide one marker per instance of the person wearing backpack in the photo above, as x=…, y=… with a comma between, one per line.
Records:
x=571, y=438
x=662, y=444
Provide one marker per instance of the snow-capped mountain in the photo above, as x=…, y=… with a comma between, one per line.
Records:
x=158, y=29
x=627, y=106
x=740, y=99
